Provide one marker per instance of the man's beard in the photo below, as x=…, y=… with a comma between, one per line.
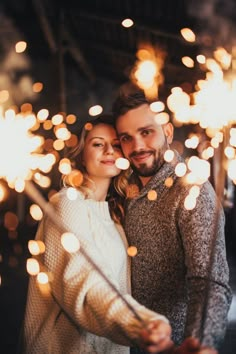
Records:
x=148, y=171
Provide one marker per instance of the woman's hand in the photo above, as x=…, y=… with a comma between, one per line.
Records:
x=156, y=337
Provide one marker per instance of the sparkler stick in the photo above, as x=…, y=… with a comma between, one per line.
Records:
x=48, y=209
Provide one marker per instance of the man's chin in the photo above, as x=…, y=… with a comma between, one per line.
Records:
x=144, y=171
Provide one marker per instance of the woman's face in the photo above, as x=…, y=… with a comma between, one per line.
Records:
x=101, y=149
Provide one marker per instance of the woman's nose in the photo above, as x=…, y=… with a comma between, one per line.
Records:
x=109, y=149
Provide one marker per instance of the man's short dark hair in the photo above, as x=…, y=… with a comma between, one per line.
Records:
x=124, y=102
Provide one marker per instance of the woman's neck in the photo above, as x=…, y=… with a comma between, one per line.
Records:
x=100, y=188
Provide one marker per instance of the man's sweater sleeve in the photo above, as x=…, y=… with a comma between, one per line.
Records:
x=209, y=294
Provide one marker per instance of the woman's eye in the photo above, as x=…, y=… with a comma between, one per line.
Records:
x=117, y=146
x=97, y=144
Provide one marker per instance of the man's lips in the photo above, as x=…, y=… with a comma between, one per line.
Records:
x=141, y=157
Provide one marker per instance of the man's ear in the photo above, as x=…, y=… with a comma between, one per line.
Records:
x=169, y=132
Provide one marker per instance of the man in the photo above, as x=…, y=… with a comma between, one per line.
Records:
x=173, y=272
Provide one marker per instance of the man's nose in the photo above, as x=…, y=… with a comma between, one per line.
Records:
x=138, y=144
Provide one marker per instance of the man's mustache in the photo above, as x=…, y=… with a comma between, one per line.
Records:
x=140, y=153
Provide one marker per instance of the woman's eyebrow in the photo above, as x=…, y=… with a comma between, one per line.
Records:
x=96, y=137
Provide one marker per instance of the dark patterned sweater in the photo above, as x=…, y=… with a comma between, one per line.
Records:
x=171, y=272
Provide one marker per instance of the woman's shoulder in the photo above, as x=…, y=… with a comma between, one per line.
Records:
x=70, y=205
x=67, y=195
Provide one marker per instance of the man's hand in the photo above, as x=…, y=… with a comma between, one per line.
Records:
x=157, y=337
x=191, y=345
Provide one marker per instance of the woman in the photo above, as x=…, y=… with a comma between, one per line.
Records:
x=82, y=313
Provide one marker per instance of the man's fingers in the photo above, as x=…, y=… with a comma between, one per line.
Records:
x=192, y=345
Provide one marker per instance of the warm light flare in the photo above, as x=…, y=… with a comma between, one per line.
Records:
x=57, y=119
x=95, y=110
x=20, y=46
x=157, y=106
x=3, y=192
x=42, y=114
x=71, y=193
x=188, y=62
x=18, y=147
x=162, y=118
x=36, y=212
x=65, y=166
x=132, y=251
x=70, y=242
x=199, y=168
x=169, y=155
x=127, y=23
x=190, y=202
x=147, y=72
x=180, y=169
x=201, y=59
x=32, y=266
x=122, y=163
x=188, y=34
x=42, y=278
x=36, y=247
x=152, y=195
x=192, y=142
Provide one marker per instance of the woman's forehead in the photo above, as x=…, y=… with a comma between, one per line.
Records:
x=102, y=130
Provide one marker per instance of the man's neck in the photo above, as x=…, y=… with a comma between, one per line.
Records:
x=145, y=180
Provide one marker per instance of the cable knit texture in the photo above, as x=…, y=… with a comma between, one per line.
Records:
x=87, y=315
x=170, y=273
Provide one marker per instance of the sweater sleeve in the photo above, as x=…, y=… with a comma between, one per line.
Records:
x=209, y=294
x=79, y=289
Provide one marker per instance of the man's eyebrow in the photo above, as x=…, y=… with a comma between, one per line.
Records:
x=121, y=134
x=138, y=130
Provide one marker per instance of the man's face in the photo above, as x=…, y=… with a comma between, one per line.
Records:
x=143, y=141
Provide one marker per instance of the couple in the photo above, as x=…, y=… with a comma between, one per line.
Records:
x=170, y=273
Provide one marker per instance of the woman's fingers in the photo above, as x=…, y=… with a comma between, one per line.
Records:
x=156, y=337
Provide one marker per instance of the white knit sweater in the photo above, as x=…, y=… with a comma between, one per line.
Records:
x=88, y=317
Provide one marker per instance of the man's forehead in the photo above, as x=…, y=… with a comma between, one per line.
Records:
x=136, y=120
x=138, y=128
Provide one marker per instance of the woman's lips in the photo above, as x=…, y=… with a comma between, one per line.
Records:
x=108, y=162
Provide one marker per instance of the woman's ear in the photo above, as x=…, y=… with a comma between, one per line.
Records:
x=169, y=132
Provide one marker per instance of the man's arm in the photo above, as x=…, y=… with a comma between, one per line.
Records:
x=209, y=294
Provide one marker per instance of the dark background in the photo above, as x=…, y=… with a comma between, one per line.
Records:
x=82, y=55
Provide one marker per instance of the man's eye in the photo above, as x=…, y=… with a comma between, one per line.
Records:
x=146, y=132
x=125, y=139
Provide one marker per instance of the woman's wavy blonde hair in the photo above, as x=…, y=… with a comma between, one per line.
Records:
x=117, y=190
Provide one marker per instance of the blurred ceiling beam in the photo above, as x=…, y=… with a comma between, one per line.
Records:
x=72, y=47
